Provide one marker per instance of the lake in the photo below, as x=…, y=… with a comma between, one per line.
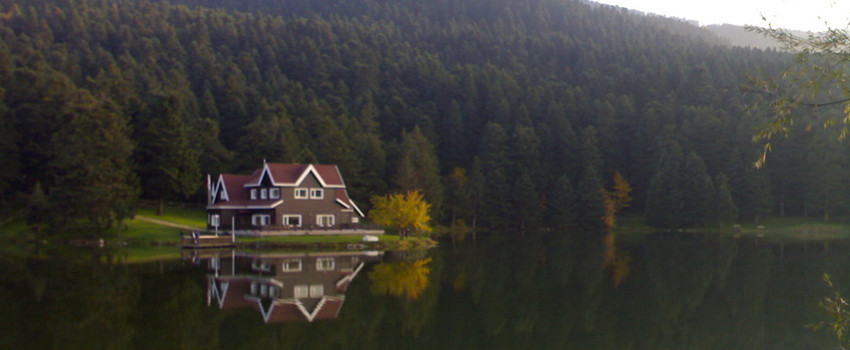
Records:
x=557, y=290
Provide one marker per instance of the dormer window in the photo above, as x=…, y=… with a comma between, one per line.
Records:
x=264, y=193
x=274, y=193
x=301, y=193
x=317, y=193
x=253, y=193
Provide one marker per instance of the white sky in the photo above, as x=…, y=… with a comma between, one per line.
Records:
x=788, y=14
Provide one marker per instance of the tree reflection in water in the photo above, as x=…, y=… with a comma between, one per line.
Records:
x=402, y=278
x=558, y=290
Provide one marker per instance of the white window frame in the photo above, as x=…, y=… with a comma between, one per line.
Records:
x=301, y=291
x=317, y=290
x=264, y=193
x=325, y=264
x=253, y=193
x=305, y=195
x=261, y=219
x=319, y=221
x=215, y=220
x=317, y=193
x=286, y=218
x=289, y=265
x=274, y=193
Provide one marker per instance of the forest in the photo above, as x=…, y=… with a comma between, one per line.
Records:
x=504, y=113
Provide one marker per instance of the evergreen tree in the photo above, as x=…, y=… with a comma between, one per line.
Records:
x=37, y=208
x=561, y=209
x=270, y=137
x=95, y=186
x=826, y=187
x=495, y=202
x=726, y=211
x=591, y=200
x=10, y=171
x=419, y=169
x=526, y=203
x=697, y=193
x=458, y=195
x=664, y=198
x=168, y=162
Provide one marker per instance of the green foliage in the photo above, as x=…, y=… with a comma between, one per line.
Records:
x=212, y=89
x=170, y=161
x=838, y=310
x=697, y=193
x=726, y=210
x=95, y=186
x=526, y=203
x=664, y=199
x=591, y=199
x=561, y=206
x=419, y=170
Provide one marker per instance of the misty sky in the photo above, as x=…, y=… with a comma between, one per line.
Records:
x=789, y=14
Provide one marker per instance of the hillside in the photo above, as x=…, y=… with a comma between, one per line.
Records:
x=398, y=93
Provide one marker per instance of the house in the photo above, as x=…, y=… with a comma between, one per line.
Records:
x=289, y=287
x=282, y=197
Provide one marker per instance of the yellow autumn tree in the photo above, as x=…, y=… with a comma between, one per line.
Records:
x=405, y=212
x=617, y=200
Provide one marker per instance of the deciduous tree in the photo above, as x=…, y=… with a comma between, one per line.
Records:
x=405, y=212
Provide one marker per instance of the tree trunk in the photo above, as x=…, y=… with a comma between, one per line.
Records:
x=161, y=206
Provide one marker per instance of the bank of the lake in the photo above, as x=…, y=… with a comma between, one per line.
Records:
x=149, y=236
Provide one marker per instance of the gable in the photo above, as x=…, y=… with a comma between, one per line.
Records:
x=291, y=175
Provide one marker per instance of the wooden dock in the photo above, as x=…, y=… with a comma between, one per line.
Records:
x=195, y=240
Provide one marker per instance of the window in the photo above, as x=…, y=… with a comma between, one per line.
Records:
x=257, y=265
x=355, y=220
x=274, y=193
x=264, y=193
x=260, y=220
x=317, y=290
x=215, y=220
x=301, y=193
x=301, y=291
x=325, y=220
x=317, y=193
x=253, y=193
x=293, y=265
x=292, y=220
x=325, y=264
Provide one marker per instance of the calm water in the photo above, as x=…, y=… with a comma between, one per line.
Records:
x=555, y=291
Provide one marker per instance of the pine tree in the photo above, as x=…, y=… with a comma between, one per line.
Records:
x=526, y=203
x=697, y=192
x=726, y=211
x=95, y=186
x=168, y=162
x=419, y=169
x=591, y=199
x=664, y=197
x=561, y=210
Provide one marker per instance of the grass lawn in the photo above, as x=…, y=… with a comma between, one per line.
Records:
x=183, y=216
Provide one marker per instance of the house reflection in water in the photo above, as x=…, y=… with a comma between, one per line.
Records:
x=291, y=287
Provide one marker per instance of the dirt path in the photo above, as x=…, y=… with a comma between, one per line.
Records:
x=167, y=223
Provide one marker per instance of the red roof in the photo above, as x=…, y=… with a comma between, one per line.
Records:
x=290, y=174
x=282, y=175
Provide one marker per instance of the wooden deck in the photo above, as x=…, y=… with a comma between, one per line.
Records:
x=203, y=241
x=308, y=232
